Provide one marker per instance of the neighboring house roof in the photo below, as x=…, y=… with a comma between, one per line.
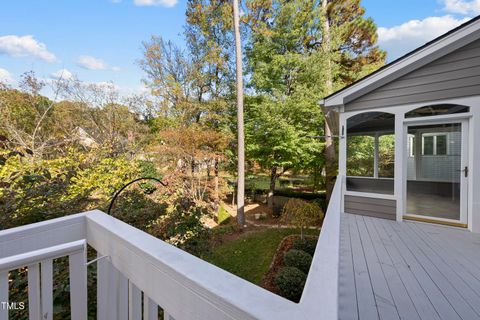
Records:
x=431, y=51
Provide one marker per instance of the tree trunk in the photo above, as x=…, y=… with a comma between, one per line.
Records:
x=330, y=154
x=241, y=136
x=215, y=181
x=271, y=190
x=208, y=168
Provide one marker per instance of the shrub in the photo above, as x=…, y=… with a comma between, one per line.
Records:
x=308, y=245
x=223, y=217
x=301, y=214
x=298, y=259
x=291, y=281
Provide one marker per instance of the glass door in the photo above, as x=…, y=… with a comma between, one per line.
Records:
x=437, y=171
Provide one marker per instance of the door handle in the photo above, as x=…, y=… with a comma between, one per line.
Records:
x=465, y=171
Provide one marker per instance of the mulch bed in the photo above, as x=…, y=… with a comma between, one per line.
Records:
x=268, y=281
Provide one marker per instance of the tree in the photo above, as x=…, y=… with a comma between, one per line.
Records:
x=278, y=135
x=299, y=51
x=330, y=155
x=301, y=214
x=350, y=52
x=283, y=116
x=240, y=133
x=27, y=116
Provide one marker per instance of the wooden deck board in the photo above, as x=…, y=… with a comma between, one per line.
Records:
x=404, y=304
x=447, y=271
x=367, y=307
x=438, y=273
x=408, y=270
x=349, y=309
x=384, y=301
x=453, y=259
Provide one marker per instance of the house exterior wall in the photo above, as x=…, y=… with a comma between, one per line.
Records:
x=372, y=207
x=402, y=156
x=455, y=75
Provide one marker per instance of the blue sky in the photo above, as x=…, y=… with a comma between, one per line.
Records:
x=99, y=40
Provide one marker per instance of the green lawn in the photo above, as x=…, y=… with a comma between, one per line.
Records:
x=250, y=255
x=262, y=182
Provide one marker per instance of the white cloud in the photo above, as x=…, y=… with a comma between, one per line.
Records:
x=24, y=46
x=164, y=3
x=6, y=77
x=92, y=63
x=466, y=7
x=63, y=74
x=410, y=35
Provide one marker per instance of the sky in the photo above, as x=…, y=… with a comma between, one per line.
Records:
x=99, y=41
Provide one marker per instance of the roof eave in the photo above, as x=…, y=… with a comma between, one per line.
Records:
x=433, y=50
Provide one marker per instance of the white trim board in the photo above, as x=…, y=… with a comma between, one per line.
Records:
x=435, y=50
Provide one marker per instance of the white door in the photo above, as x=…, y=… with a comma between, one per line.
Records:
x=437, y=171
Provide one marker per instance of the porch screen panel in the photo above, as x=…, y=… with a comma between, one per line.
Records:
x=371, y=152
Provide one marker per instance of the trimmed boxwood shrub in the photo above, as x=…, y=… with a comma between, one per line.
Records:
x=308, y=245
x=298, y=259
x=290, y=281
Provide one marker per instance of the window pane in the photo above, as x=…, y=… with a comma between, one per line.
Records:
x=386, y=157
x=442, y=145
x=366, y=133
x=428, y=145
x=360, y=156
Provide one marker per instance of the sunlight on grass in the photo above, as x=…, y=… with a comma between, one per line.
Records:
x=249, y=256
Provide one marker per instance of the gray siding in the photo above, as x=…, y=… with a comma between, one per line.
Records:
x=454, y=75
x=372, y=207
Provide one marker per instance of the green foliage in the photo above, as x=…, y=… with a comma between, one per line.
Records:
x=360, y=154
x=308, y=245
x=301, y=213
x=35, y=190
x=298, y=259
x=291, y=281
x=250, y=255
x=223, y=215
x=290, y=57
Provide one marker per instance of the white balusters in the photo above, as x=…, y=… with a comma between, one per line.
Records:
x=34, y=307
x=122, y=296
x=134, y=302
x=78, y=285
x=150, y=308
x=3, y=295
x=102, y=288
x=46, y=268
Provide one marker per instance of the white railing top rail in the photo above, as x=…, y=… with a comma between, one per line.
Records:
x=320, y=295
x=27, y=258
x=186, y=286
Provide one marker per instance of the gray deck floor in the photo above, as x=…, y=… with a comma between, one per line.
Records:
x=407, y=270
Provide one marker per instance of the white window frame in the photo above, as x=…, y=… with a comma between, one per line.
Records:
x=435, y=135
x=411, y=144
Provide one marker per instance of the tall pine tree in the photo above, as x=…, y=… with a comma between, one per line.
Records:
x=299, y=52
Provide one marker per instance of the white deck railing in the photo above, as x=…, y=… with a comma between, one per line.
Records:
x=132, y=264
